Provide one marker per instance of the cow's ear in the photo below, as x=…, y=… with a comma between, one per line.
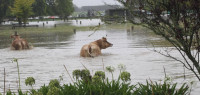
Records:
x=16, y=34
x=104, y=39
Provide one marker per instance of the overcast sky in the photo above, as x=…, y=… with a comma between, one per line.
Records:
x=81, y=3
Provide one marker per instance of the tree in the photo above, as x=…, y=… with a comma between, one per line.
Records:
x=51, y=7
x=22, y=9
x=39, y=7
x=64, y=8
x=178, y=21
x=4, y=8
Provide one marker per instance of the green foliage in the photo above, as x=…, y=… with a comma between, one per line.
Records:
x=64, y=8
x=21, y=93
x=39, y=7
x=96, y=79
x=76, y=74
x=160, y=89
x=3, y=8
x=54, y=91
x=100, y=74
x=30, y=81
x=9, y=92
x=22, y=9
x=34, y=92
x=97, y=86
x=177, y=21
x=110, y=69
x=83, y=74
x=54, y=83
x=70, y=89
x=125, y=76
x=44, y=90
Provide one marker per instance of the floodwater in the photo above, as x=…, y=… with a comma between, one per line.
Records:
x=51, y=52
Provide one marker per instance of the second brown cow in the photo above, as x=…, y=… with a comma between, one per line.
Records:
x=19, y=43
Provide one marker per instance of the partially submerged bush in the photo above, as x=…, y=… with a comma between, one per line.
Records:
x=110, y=69
x=43, y=89
x=101, y=74
x=76, y=74
x=125, y=76
x=85, y=75
x=96, y=79
x=54, y=91
x=54, y=83
x=30, y=81
x=100, y=85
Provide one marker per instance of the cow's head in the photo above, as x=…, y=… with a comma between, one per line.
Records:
x=15, y=36
x=105, y=44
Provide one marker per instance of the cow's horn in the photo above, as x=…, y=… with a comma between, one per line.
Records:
x=15, y=33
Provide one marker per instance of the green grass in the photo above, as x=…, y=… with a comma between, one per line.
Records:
x=7, y=30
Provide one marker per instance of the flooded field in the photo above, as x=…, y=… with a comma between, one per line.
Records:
x=50, y=52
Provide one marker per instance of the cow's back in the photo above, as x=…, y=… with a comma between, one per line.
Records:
x=84, y=51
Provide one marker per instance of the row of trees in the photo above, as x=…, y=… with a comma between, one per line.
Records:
x=22, y=9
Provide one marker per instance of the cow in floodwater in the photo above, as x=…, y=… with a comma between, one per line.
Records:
x=94, y=48
x=19, y=43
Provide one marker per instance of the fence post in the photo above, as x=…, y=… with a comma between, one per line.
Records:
x=4, y=81
x=74, y=31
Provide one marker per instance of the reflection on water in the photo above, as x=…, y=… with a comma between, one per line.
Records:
x=45, y=61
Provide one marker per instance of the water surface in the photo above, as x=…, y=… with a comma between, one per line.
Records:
x=45, y=61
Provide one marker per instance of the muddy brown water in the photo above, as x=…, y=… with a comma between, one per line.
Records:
x=45, y=61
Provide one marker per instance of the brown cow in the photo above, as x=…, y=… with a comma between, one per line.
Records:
x=94, y=48
x=19, y=43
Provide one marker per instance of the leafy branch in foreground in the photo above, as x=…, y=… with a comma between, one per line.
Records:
x=178, y=21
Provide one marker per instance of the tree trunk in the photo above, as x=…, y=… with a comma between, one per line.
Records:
x=20, y=21
x=195, y=64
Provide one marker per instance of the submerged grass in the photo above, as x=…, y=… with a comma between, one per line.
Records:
x=7, y=30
